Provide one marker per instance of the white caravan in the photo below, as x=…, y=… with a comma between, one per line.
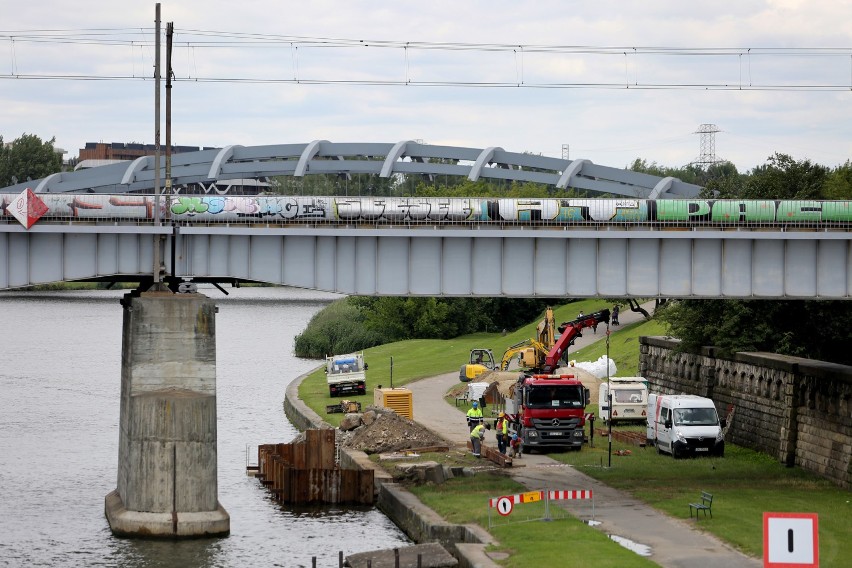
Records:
x=684, y=425
x=629, y=399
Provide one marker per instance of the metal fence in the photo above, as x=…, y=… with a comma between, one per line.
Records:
x=541, y=505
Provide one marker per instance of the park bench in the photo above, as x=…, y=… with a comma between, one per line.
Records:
x=705, y=505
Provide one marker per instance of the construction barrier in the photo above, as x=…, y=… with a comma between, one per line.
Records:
x=306, y=472
x=535, y=506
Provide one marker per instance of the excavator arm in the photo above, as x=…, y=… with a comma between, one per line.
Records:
x=570, y=331
x=513, y=350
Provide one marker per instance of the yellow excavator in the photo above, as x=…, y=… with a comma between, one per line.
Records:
x=481, y=360
x=530, y=352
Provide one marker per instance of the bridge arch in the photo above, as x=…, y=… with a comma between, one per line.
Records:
x=214, y=165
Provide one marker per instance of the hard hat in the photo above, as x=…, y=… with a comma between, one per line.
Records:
x=501, y=415
x=475, y=404
x=514, y=436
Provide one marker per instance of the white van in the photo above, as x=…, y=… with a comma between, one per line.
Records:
x=684, y=425
x=629, y=399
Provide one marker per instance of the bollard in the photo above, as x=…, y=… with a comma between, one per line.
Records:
x=340, y=559
x=396, y=558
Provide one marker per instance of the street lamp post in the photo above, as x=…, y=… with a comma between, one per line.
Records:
x=608, y=399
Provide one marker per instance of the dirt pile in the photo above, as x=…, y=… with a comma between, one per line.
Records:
x=390, y=432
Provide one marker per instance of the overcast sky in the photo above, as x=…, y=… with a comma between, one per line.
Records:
x=772, y=75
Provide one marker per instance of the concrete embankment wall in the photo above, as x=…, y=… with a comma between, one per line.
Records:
x=418, y=521
x=795, y=409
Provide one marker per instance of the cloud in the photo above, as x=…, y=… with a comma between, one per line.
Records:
x=261, y=97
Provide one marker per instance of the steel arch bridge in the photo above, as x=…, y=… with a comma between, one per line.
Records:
x=217, y=166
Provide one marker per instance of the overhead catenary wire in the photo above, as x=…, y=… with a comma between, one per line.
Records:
x=193, y=40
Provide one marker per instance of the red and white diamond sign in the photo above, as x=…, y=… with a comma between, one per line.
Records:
x=27, y=208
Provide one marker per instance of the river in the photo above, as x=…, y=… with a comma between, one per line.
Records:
x=60, y=381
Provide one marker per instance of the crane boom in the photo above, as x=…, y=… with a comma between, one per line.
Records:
x=570, y=330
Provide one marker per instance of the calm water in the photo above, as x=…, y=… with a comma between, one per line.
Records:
x=60, y=380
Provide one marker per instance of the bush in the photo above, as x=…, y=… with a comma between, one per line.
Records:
x=333, y=330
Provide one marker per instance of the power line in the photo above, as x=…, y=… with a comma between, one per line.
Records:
x=193, y=40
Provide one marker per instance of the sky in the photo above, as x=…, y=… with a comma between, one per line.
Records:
x=607, y=81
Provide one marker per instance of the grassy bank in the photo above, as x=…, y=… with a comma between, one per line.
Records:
x=420, y=358
x=744, y=483
x=533, y=543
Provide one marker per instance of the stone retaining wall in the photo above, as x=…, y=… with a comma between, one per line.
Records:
x=419, y=522
x=795, y=409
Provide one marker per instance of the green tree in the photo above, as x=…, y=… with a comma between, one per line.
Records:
x=809, y=329
x=785, y=178
x=28, y=157
x=839, y=182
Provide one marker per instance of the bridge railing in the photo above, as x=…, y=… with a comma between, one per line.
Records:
x=276, y=210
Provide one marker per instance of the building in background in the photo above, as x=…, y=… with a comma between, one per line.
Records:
x=126, y=151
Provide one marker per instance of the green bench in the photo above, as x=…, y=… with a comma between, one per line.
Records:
x=705, y=505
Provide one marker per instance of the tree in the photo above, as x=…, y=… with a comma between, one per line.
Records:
x=809, y=329
x=28, y=157
x=839, y=182
x=785, y=178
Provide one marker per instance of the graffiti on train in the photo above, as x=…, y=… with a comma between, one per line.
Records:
x=443, y=209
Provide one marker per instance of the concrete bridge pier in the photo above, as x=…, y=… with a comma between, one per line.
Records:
x=167, y=459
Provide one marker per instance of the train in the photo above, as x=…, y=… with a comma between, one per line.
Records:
x=359, y=210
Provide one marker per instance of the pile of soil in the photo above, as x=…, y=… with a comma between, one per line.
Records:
x=390, y=432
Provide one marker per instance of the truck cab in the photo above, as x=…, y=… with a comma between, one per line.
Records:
x=549, y=411
x=683, y=425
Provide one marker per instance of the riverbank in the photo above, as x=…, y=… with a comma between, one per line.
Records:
x=467, y=543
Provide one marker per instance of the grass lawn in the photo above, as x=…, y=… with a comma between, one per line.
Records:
x=744, y=484
x=536, y=543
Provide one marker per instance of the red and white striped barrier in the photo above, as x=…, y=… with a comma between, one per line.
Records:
x=505, y=504
x=566, y=495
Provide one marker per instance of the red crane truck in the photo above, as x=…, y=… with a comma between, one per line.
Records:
x=549, y=409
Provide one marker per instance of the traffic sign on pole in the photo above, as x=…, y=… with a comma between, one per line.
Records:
x=790, y=540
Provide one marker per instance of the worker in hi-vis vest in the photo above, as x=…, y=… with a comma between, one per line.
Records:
x=476, y=437
x=474, y=416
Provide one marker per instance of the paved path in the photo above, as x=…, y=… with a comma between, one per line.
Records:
x=673, y=543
